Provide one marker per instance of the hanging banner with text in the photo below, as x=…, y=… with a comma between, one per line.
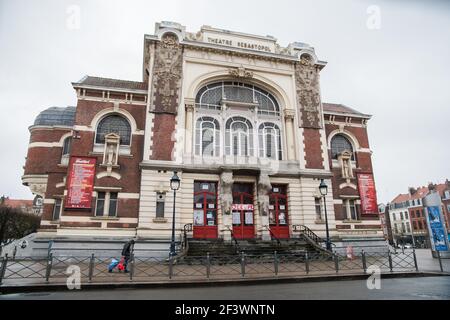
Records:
x=437, y=230
x=81, y=182
x=367, y=193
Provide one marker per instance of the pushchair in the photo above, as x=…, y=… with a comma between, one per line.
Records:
x=116, y=263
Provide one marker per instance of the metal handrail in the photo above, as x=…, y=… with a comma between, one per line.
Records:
x=310, y=234
x=236, y=244
x=186, y=228
x=273, y=235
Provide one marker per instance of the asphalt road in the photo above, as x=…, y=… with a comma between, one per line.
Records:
x=423, y=288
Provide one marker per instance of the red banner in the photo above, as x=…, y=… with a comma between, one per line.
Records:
x=367, y=193
x=81, y=182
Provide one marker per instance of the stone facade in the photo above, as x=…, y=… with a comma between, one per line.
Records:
x=241, y=121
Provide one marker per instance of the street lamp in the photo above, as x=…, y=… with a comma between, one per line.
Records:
x=323, y=188
x=174, y=185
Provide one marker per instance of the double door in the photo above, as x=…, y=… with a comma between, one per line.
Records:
x=243, y=211
x=205, y=210
x=278, y=212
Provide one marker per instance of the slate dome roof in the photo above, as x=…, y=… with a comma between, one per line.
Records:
x=56, y=116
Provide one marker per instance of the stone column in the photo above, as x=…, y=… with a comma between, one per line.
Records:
x=264, y=189
x=189, y=126
x=289, y=125
x=226, y=200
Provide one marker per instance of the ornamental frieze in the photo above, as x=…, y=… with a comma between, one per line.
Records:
x=308, y=93
x=167, y=72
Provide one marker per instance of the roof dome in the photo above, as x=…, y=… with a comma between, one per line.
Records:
x=56, y=116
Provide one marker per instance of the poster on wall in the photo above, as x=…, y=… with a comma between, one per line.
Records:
x=236, y=217
x=367, y=193
x=249, y=217
x=80, y=183
x=437, y=229
x=198, y=218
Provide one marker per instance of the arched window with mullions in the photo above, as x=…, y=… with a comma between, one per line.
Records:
x=114, y=124
x=239, y=137
x=270, y=141
x=340, y=143
x=207, y=137
x=211, y=96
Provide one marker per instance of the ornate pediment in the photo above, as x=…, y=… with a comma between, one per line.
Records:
x=240, y=72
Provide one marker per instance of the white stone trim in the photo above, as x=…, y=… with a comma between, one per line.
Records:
x=350, y=136
x=125, y=195
x=98, y=219
x=104, y=174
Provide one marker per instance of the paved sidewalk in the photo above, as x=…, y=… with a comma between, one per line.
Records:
x=426, y=261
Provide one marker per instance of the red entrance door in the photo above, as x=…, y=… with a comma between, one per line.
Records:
x=205, y=210
x=278, y=212
x=243, y=211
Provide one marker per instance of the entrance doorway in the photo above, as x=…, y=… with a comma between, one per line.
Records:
x=278, y=212
x=205, y=210
x=243, y=211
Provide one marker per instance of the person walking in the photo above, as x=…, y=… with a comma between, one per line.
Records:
x=126, y=253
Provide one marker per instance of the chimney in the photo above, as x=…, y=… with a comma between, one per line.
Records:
x=412, y=190
x=431, y=186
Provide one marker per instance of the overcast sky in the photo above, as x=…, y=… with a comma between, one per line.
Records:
x=395, y=66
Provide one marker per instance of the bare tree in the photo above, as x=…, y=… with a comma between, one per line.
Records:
x=15, y=224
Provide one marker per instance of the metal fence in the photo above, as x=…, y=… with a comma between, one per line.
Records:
x=54, y=269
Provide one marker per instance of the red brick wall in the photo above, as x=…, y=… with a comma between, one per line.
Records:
x=47, y=135
x=46, y=160
x=42, y=160
x=163, y=129
x=86, y=111
x=363, y=165
x=313, y=149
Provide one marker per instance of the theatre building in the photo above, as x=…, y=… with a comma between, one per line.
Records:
x=241, y=121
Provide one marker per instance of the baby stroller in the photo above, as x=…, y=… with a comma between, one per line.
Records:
x=116, y=263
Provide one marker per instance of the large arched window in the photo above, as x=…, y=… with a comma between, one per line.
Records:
x=340, y=143
x=269, y=141
x=207, y=137
x=239, y=137
x=114, y=124
x=212, y=96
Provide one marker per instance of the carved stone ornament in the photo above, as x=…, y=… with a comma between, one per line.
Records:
x=240, y=72
x=344, y=159
x=226, y=192
x=308, y=93
x=264, y=189
x=167, y=75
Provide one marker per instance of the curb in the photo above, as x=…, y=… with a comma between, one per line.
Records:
x=209, y=283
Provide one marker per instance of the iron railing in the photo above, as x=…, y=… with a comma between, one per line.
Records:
x=234, y=240
x=54, y=269
x=273, y=236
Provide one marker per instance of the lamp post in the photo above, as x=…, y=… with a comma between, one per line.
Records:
x=174, y=185
x=323, y=188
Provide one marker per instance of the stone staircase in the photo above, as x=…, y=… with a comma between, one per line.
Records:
x=215, y=247
x=219, y=247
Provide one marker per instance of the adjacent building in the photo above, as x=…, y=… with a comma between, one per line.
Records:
x=26, y=206
x=237, y=116
x=408, y=215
